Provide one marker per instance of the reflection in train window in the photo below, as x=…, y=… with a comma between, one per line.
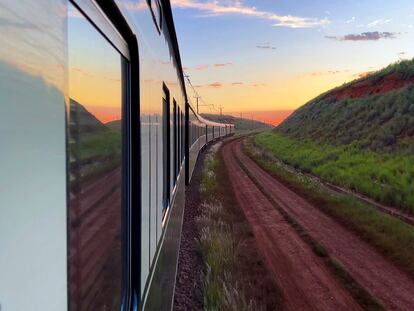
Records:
x=95, y=160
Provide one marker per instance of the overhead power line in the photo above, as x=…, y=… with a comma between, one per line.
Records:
x=199, y=98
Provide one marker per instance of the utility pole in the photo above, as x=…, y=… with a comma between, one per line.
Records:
x=197, y=98
x=221, y=110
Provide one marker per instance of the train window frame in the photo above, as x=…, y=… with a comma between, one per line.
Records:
x=99, y=19
x=156, y=13
x=175, y=138
x=166, y=103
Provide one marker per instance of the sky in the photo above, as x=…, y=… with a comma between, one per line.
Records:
x=265, y=58
x=94, y=73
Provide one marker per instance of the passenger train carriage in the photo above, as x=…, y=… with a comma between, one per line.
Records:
x=98, y=141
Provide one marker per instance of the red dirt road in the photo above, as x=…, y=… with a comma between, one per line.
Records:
x=305, y=281
x=387, y=283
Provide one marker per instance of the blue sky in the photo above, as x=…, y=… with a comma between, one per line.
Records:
x=276, y=55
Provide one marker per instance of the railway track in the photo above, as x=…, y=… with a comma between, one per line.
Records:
x=306, y=282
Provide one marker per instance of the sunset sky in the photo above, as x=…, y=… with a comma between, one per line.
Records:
x=94, y=73
x=274, y=56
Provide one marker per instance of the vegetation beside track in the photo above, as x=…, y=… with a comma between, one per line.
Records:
x=385, y=177
x=393, y=237
x=235, y=277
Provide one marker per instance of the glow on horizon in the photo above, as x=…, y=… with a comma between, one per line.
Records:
x=95, y=74
x=238, y=59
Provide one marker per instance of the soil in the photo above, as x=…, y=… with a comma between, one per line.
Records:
x=382, y=279
x=252, y=273
x=303, y=278
x=368, y=87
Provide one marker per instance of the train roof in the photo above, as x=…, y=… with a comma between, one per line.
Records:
x=174, y=41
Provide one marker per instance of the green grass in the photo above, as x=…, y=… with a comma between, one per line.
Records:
x=219, y=249
x=393, y=237
x=383, y=123
x=385, y=177
x=98, y=152
x=100, y=144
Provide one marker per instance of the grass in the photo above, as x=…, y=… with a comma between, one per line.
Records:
x=227, y=285
x=393, y=237
x=219, y=248
x=98, y=153
x=381, y=122
x=385, y=177
x=98, y=145
x=364, y=298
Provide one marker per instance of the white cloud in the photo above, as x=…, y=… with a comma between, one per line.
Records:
x=236, y=7
x=350, y=21
x=378, y=22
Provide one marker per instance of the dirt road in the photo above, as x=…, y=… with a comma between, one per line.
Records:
x=388, y=284
x=305, y=281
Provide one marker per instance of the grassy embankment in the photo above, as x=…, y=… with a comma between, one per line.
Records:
x=385, y=177
x=344, y=165
x=235, y=278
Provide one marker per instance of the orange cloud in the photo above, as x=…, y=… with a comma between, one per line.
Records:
x=201, y=67
x=222, y=65
x=259, y=84
x=323, y=73
x=216, y=85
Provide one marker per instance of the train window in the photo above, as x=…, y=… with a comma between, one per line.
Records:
x=95, y=164
x=156, y=12
x=175, y=140
x=179, y=140
x=182, y=136
x=166, y=146
x=172, y=146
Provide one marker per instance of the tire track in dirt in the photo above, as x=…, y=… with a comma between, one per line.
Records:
x=305, y=281
x=386, y=282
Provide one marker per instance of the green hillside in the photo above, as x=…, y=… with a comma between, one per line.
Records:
x=96, y=146
x=240, y=124
x=359, y=136
x=375, y=112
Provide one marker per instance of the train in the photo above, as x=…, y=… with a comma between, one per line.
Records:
x=99, y=141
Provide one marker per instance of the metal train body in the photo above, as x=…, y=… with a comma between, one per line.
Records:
x=98, y=141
